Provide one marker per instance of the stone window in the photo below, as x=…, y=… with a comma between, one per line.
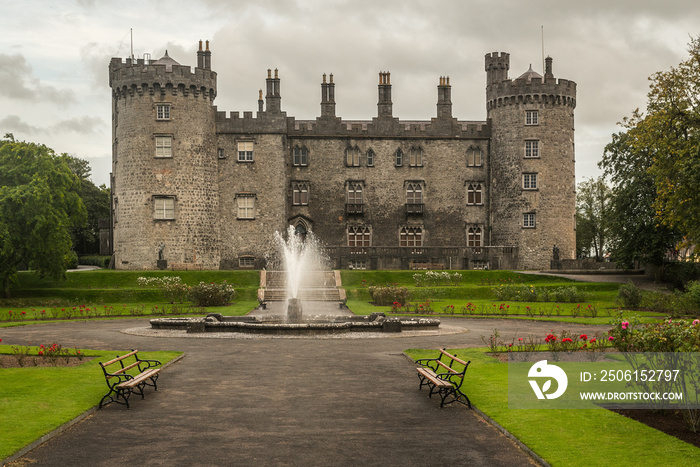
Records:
x=359, y=238
x=245, y=151
x=164, y=208
x=414, y=198
x=474, y=193
x=529, y=220
x=357, y=264
x=352, y=157
x=355, y=198
x=532, y=148
x=475, y=238
x=399, y=158
x=370, y=158
x=164, y=146
x=246, y=205
x=355, y=193
x=411, y=236
x=474, y=157
x=529, y=181
x=532, y=117
x=300, y=156
x=162, y=111
x=246, y=262
x=415, y=157
x=480, y=264
x=300, y=193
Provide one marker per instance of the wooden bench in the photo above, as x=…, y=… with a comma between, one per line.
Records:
x=129, y=378
x=444, y=375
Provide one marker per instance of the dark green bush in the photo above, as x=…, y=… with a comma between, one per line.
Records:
x=629, y=295
x=95, y=260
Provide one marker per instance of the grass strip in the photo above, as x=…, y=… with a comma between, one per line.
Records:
x=35, y=401
x=567, y=437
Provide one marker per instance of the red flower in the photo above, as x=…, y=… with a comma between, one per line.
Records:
x=593, y=340
x=583, y=337
x=41, y=352
x=566, y=339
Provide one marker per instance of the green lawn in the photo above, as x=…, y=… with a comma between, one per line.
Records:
x=567, y=437
x=44, y=398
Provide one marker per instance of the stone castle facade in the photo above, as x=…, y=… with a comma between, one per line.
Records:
x=194, y=187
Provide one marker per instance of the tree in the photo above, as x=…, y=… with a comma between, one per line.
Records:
x=670, y=136
x=86, y=239
x=640, y=234
x=39, y=205
x=592, y=217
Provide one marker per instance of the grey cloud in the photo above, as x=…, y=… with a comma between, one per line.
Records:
x=82, y=125
x=13, y=123
x=17, y=81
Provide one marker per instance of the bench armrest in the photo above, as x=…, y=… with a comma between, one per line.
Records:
x=149, y=364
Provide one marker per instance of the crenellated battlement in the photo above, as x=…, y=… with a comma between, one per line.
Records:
x=529, y=87
x=127, y=77
x=435, y=128
x=519, y=91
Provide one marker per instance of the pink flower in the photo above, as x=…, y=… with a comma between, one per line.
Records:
x=696, y=322
x=610, y=338
x=625, y=324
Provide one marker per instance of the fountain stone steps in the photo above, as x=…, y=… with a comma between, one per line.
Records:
x=276, y=287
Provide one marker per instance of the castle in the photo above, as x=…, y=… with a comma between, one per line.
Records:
x=196, y=188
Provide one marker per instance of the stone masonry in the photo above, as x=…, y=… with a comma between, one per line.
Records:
x=199, y=188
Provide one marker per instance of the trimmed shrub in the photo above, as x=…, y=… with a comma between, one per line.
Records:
x=211, y=294
x=629, y=295
x=389, y=295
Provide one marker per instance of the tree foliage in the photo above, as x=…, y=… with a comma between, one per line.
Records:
x=592, y=217
x=639, y=232
x=654, y=165
x=86, y=238
x=672, y=132
x=39, y=205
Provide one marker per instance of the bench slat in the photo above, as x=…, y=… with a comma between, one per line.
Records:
x=138, y=379
x=453, y=357
x=115, y=360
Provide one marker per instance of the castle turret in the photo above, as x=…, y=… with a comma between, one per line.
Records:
x=532, y=161
x=164, y=163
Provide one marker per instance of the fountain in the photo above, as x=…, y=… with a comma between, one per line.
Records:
x=300, y=279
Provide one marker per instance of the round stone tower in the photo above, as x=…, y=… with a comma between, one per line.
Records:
x=164, y=163
x=532, y=162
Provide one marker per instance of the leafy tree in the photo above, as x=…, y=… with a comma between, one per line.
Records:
x=86, y=239
x=39, y=204
x=640, y=234
x=592, y=217
x=669, y=135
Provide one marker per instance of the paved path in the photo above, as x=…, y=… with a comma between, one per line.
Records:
x=279, y=402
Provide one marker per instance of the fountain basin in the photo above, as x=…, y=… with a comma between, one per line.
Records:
x=311, y=325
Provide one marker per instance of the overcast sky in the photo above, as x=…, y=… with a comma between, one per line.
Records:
x=54, y=56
